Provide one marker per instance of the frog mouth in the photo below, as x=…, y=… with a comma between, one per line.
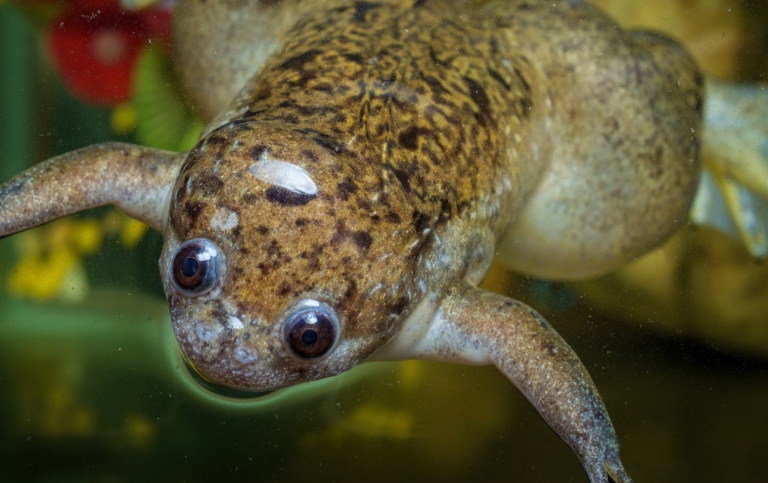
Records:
x=220, y=390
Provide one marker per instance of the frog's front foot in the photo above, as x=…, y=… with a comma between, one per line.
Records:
x=472, y=326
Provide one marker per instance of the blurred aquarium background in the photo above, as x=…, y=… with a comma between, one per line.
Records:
x=92, y=387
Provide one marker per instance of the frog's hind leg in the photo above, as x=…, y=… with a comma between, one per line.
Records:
x=733, y=193
x=624, y=165
x=136, y=180
x=218, y=45
x=473, y=326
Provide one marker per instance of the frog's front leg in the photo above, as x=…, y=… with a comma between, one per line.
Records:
x=135, y=179
x=473, y=326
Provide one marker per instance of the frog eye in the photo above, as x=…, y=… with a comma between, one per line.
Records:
x=311, y=330
x=193, y=269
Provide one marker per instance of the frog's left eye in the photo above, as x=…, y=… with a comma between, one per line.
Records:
x=193, y=269
x=311, y=330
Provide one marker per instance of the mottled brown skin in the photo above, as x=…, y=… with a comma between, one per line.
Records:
x=434, y=135
x=391, y=145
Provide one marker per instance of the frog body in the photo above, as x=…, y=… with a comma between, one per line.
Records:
x=342, y=207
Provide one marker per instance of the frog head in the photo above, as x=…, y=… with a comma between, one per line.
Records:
x=276, y=259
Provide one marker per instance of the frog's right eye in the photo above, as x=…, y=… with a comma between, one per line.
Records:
x=193, y=269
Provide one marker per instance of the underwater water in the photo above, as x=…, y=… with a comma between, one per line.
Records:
x=93, y=387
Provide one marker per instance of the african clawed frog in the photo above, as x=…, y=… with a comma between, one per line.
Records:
x=374, y=160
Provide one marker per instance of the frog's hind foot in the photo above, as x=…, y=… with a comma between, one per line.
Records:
x=606, y=469
x=733, y=192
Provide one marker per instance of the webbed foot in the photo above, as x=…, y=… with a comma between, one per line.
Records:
x=733, y=193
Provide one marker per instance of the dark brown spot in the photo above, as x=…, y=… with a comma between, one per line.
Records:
x=420, y=221
x=284, y=289
x=349, y=295
x=282, y=196
x=257, y=151
x=346, y=188
x=354, y=58
x=361, y=10
x=409, y=138
x=310, y=155
x=362, y=239
x=498, y=78
x=523, y=80
x=400, y=305
x=211, y=184
x=192, y=210
x=249, y=198
x=297, y=62
x=480, y=98
x=393, y=217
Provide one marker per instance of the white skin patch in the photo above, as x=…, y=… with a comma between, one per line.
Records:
x=208, y=332
x=224, y=220
x=234, y=322
x=285, y=175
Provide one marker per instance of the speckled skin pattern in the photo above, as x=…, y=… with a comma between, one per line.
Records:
x=376, y=158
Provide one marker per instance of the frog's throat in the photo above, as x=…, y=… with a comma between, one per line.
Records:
x=136, y=180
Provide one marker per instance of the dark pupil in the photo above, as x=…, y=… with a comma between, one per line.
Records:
x=189, y=267
x=309, y=337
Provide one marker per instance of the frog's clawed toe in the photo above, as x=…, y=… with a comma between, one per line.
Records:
x=617, y=474
x=608, y=470
x=733, y=192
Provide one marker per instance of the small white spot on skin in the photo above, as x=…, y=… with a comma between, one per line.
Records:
x=224, y=220
x=234, y=145
x=283, y=174
x=245, y=356
x=208, y=332
x=234, y=322
x=374, y=290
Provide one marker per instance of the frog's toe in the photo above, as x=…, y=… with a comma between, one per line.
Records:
x=734, y=209
x=733, y=193
x=616, y=472
x=607, y=469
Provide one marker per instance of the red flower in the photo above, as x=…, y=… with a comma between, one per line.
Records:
x=94, y=46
